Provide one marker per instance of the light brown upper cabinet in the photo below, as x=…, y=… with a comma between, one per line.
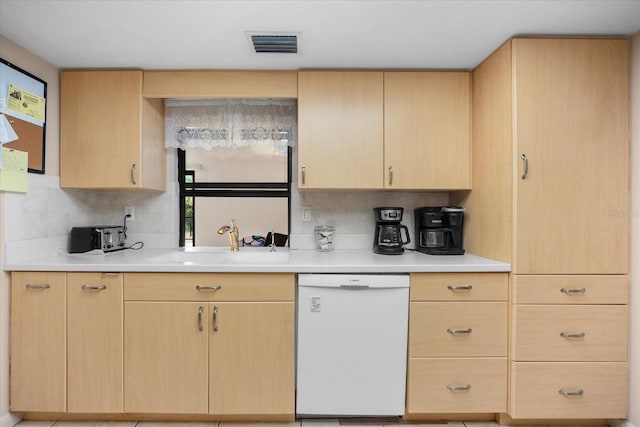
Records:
x=340, y=134
x=427, y=134
x=376, y=130
x=220, y=84
x=110, y=136
x=551, y=157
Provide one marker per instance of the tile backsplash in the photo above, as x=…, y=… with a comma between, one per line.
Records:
x=37, y=223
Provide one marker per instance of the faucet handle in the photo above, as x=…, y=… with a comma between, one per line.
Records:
x=273, y=244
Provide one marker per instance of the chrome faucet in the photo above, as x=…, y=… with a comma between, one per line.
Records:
x=233, y=234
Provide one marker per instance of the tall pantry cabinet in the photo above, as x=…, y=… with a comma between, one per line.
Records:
x=551, y=183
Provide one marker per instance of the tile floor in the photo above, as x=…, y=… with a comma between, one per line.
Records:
x=304, y=423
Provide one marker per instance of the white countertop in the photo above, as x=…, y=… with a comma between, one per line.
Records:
x=258, y=260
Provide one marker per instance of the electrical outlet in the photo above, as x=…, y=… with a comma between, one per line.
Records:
x=306, y=213
x=130, y=210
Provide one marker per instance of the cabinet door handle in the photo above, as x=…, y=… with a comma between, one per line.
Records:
x=526, y=166
x=578, y=393
x=576, y=291
x=303, y=173
x=465, y=288
x=459, y=387
x=572, y=336
x=215, y=318
x=390, y=175
x=90, y=288
x=459, y=331
x=133, y=174
x=37, y=287
x=200, y=311
x=208, y=288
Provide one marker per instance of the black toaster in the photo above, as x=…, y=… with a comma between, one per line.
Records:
x=106, y=238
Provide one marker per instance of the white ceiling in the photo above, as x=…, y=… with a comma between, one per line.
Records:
x=173, y=34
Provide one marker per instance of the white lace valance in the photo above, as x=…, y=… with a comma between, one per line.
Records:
x=229, y=123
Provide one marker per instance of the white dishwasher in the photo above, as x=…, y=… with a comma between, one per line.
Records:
x=352, y=344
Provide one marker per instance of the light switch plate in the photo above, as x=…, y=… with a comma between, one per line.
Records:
x=306, y=214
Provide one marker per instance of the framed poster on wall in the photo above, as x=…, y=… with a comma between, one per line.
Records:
x=23, y=102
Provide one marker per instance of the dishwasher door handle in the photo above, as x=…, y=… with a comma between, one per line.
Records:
x=354, y=287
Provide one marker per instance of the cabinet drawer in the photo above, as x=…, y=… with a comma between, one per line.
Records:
x=440, y=329
x=209, y=287
x=571, y=289
x=570, y=333
x=536, y=390
x=459, y=287
x=481, y=383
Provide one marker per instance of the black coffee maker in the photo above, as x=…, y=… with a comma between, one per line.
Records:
x=439, y=230
x=388, y=236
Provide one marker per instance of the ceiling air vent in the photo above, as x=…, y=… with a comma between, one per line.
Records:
x=274, y=43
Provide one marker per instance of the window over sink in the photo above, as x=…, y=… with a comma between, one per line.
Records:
x=232, y=168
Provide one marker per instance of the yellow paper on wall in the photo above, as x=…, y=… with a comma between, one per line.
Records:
x=27, y=103
x=13, y=175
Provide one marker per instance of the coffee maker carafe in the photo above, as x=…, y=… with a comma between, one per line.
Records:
x=388, y=238
x=439, y=230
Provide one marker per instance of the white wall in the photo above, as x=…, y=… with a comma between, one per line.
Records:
x=634, y=308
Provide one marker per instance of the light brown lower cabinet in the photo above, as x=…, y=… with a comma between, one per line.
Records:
x=569, y=347
x=165, y=357
x=94, y=342
x=457, y=344
x=66, y=342
x=215, y=355
x=38, y=368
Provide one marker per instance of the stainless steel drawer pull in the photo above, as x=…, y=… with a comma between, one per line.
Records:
x=208, y=288
x=37, y=287
x=455, y=288
x=459, y=331
x=200, y=311
x=215, y=318
x=459, y=387
x=568, y=393
x=90, y=288
x=572, y=336
x=576, y=291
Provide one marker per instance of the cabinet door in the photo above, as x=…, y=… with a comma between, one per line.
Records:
x=94, y=359
x=38, y=342
x=165, y=357
x=251, y=363
x=340, y=120
x=427, y=132
x=571, y=122
x=107, y=129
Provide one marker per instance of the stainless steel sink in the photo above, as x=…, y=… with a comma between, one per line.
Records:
x=222, y=255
